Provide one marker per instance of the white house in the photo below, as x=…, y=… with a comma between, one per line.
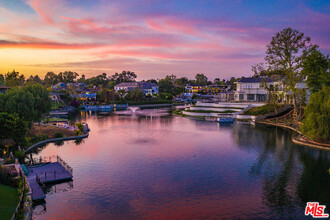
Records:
x=148, y=88
x=127, y=86
x=250, y=89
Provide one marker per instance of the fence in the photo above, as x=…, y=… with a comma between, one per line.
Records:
x=64, y=164
x=21, y=199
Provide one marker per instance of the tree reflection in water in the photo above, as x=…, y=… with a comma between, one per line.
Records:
x=291, y=174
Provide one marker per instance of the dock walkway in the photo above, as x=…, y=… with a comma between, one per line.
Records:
x=45, y=173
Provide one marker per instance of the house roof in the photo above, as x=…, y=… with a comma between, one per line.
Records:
x=127, y=84
x=147, y=85
x=60, y=85
x=254, y=79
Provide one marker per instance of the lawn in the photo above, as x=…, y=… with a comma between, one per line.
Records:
x=8, y=201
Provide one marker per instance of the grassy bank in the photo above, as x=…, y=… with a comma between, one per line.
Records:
x=56, y=120
x=261, y=110
x=8, y=201
x=210, y=111
x=199, y=106
x=43, y=132
x=152, y=101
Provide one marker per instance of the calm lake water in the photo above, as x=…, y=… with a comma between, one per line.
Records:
x=171, y=167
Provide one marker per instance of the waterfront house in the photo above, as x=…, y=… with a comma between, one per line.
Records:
x=3, y=89
x=250, y=89
x=225, y=96
x=59, y=86
x=148, y=88
x=207, y=89
x=87, y=95
x=193, y=88
x=127, y=86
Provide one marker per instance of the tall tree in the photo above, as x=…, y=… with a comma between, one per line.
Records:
x=285, y=55
x=42, y=102
x=2, y=80
x=316, y=68
x=12, y=127
x=183, y=81
x=14, y=79
x=68, y=76
x=125, y=76
x=201, y=79
x=18, y=101
x=165, y=86
x=51, y=78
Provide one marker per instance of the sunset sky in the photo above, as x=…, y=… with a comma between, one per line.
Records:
x=151, y=38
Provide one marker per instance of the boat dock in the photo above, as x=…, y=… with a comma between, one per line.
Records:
x=47, y=172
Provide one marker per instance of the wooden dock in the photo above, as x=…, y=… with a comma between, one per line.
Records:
x=45, y=173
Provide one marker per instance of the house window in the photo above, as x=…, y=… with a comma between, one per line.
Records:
x=250, y=97
x=241, y=96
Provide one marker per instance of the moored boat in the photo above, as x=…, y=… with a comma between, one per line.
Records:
x=225, y=118
x=209, y=118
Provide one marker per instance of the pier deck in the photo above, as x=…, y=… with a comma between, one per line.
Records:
x=45, y=173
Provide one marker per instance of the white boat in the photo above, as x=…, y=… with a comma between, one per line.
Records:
x=225, y=118
x=209, y=118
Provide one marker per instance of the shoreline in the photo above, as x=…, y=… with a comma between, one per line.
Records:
x=298, y=139
x=55, y=140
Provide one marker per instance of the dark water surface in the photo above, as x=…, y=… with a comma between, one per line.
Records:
x=180, y=168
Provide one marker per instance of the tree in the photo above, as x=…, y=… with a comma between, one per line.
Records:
x=217, y=81
x=152, y=81
x=42, y=102
x=134, y=95
x=30, y=102
x=67, y=76
x=12, y=127
x=51, y=78
x=267, y=78
x=165, y=86
x=82, y=79
x=285, y=55
x=201, y=79
x=2, y=80
x=14, y=79
x=183, y=81
x=18, y=101
x=125, y=76
x=171, y=77
x=106, y=96
x=316, y=68
x=178, y=90
x=34, y=79
x=316, y=124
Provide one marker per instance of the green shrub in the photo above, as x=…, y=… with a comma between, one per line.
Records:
x=317, y=116
x=58, y=135
x=80, y=126
x=4, y=176
x=77, y=132
x=19, y=155
x=261, y=110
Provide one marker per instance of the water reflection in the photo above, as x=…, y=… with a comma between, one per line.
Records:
x=171, y=167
